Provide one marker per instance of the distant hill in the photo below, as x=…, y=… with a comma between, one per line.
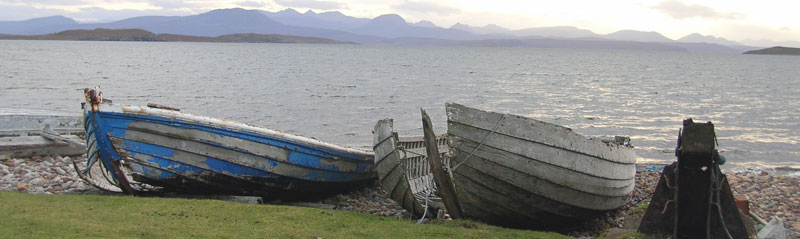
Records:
x=385, y=29
x=102, y=34
x=394, y=26
x=99, y=34
x=37, y=25
x=540, y=32
x=778, y=50
x=640, y=36
x=326, y=20
x=762, y=43
x=696, y=37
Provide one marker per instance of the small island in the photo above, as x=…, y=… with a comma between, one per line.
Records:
x=778, y=50
x=102, y=34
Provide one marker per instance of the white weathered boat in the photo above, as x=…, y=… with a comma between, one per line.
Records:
x=512, y=170
x=404, y=171
x=29, y=132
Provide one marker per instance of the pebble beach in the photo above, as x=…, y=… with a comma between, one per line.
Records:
x=770, y=193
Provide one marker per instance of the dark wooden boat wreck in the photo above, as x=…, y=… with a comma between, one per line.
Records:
x=164, y=147
x=404, y=171
x=511, y=170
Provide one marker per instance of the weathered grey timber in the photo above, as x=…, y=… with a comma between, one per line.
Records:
x=28, y=146
x=444, y=179
x=21, y=133
x=509, y=169
x=403, y=170
x=27, y=122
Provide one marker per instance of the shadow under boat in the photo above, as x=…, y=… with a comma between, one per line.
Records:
x=128, y=146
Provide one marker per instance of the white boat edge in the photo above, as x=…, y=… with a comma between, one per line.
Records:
x=140, y=110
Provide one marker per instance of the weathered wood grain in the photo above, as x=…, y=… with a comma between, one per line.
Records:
x=537, y=131
x=513, y=169
x=444, y=180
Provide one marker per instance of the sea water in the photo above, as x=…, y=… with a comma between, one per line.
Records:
x=336, y=93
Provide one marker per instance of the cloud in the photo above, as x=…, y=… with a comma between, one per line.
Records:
x=253, y=4
x=425, y=7
x=51, y=2
x=680, y=10
x=104, y=15
x=19, y=13
x=172, y=4
x=315, y=4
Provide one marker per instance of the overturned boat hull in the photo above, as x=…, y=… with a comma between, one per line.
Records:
x=168, y=148
x=517, y=171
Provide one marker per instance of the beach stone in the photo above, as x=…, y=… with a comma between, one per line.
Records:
x=773, y=230
x=37, y=181
x=22, y=187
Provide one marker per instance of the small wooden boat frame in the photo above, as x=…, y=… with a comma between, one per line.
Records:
x=404, y=171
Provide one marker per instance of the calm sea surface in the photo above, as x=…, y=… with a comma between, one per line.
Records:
x=336, y=93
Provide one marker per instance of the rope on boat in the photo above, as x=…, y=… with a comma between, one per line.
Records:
x=425, y=209
x=716, y=191
x=481, y=144
x=428, y=189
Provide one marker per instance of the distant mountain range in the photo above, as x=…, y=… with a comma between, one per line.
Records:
x=385, y=29
x=778, y=50
x=101, y=34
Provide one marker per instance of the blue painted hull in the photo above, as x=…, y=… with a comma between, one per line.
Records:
x=182, y=153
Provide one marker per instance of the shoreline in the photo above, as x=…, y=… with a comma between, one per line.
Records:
x=769, y=193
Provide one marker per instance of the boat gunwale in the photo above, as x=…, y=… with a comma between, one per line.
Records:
x=563, y=187
x=628, y=153
x=226, y=124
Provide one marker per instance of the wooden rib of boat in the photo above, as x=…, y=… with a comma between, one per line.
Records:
x=165, y=147
x=512, y=170
x=403, y=170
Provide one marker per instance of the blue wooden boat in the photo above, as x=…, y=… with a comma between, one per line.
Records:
x=162, y=146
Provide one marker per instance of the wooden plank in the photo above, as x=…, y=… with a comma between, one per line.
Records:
x=537, y=131
x=29, y=122
x=580, y=163
x=551, y=173
x=252, y=154
x=384, y=140
x=475, y=183
x=28, y=146
x=392, y=180
x=444, y=180
x=395, y=169
x=545, y=188
x=199, y=159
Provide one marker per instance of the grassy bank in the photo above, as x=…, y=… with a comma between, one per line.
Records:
x=87, y=216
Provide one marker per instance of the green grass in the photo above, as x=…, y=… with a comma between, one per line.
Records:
x=96, y=216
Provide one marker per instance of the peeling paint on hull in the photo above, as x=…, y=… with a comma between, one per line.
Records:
x=186, y=152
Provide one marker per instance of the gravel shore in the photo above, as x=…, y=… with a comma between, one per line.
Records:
x=770, y=193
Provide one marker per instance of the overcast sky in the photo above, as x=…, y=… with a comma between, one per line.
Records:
x=733, y=19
